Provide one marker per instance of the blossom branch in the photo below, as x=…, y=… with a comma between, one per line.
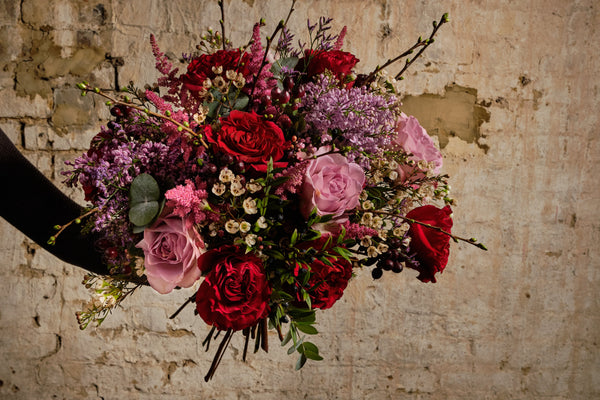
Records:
x=427, y=42
x=222, y=22
x=279, y=27
x=61, y=228
x=472, y=241
x=113, y=101
x=420, y=43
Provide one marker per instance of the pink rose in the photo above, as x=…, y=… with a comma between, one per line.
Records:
x=332, y=185
x=171, y=248
x=413, y=139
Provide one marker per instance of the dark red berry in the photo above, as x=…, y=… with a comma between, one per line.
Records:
x=112, y=253
x=116, y=111
x=288, y=82
x=376, y=273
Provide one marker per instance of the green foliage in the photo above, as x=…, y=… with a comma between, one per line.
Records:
x=144, y=198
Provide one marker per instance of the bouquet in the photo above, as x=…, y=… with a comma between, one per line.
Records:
x=262, y=177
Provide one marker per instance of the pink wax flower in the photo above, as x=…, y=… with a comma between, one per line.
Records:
x=171, y=248
x=332, y=185
x=413, y=139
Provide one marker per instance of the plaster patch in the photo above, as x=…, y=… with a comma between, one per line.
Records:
x=456, y=113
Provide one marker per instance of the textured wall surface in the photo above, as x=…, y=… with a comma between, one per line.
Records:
x=511, y=90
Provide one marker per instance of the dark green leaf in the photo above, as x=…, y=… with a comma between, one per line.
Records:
x=276, y=255
x=313, y=235
x=312, y=356
x=301, y=361
x=326, y=218
x=308, y=329
x=287, y=338
x=139, y=229
x=294, y=237
x=309, y=346
x=307, y=319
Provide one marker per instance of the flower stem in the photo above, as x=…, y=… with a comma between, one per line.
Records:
x=219, y=355
x=180, y=309
x=472, y=241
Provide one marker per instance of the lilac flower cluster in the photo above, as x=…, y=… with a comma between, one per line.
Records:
x=351, y=117
x=106, y=173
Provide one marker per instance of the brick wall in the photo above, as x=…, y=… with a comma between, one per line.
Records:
x=511, y=91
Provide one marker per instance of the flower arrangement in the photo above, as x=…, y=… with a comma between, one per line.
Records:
x=262, y=176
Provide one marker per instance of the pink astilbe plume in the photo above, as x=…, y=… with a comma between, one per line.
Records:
x=354, y=231
x=169, y=78
x=265, y=82
x=187, y=200
x=256, y=51
x=163, y=65
x=295, y=179
x=340, y=40
x=158, y=101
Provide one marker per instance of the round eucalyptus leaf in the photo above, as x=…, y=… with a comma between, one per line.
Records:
x=141, y=214
x=144, y=189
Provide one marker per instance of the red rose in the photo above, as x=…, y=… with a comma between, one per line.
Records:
x=249, y=138
x=431, y=247
x=328, y=282
x=200, y=68
x=339, y=63
x=235, y=294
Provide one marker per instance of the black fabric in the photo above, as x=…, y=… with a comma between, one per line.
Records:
x=33, y=205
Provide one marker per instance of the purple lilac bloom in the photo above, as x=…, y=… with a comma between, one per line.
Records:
x=349, y=117
x=109, y=171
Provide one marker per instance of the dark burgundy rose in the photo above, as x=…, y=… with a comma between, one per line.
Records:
x=431, y=247
x=200, y=68
x=327, y=282
x=251, y=139
x=235, y=294
x=339, y=63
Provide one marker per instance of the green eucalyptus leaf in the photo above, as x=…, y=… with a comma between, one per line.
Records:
x=288, y=62
x=142, y=214
x=241, y=102
x=299, y=313
x=291, y=350
x=306, y=319
x=143, y=189
x=139, y=229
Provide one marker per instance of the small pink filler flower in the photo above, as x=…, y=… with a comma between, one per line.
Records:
x=171, y=247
